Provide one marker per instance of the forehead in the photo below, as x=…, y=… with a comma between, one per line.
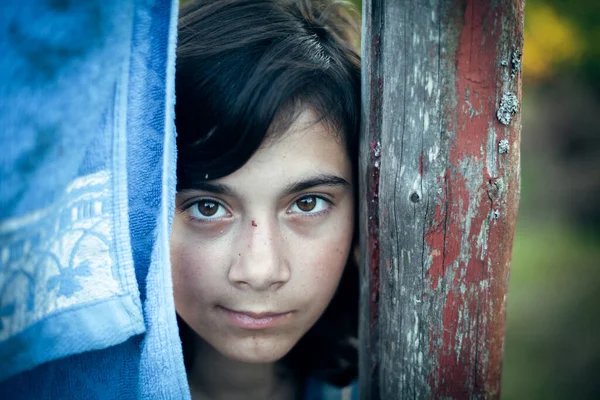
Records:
x=307, y=147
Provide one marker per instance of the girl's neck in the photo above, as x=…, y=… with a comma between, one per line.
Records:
x=215, y=377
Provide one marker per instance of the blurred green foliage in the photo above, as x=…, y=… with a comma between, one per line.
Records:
x=357, y=4
x=562, y=37
x=551, y=349
x=585, y=15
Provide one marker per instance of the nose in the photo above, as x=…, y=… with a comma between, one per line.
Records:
x=260, y=263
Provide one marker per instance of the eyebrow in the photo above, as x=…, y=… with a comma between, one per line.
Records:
x=216, y=188
x=294, y=187
x=319, y=180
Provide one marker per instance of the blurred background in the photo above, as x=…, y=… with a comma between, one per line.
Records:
x=552, y=348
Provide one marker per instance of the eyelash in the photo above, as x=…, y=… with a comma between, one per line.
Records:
x=188, y=208
x=327, y=207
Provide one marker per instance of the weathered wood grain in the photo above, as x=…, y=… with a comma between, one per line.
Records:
x=439, y=177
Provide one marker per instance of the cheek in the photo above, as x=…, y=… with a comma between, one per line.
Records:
x=197, y=266
x=322, y=260
x=330, y=259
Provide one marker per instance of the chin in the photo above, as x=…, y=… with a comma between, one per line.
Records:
x=255, y=350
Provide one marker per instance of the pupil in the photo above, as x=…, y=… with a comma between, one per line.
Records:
x=207, y=208
x=307, y=203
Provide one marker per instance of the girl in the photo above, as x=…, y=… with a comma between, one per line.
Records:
x=267, y=115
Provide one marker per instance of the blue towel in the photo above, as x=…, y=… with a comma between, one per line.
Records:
x=319, y=390
x=87, y=180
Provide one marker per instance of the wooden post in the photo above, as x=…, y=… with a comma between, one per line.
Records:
x=439, y=194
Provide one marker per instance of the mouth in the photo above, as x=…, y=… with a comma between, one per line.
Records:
x=255, y=320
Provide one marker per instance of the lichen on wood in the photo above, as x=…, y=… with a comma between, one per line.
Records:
x=503, y=146
x=509, y=105
x=515, y=63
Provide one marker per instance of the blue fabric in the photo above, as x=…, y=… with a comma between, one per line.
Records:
x=87, y=144
x=319, y=390
x=152, y=196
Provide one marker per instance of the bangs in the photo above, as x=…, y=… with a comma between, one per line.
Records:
x=245, y=69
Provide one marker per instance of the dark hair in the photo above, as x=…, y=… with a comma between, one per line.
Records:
x=245, y=68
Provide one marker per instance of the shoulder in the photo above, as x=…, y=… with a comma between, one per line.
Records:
x=319, y=390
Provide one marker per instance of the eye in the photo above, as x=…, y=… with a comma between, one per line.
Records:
x=207, y=209
x=310, y=205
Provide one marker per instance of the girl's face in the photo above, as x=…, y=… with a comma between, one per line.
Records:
x=257, y=255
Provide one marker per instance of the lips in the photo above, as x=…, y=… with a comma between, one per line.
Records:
x=256, y=320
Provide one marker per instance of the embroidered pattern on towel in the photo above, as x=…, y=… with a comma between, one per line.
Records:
x=58, y=256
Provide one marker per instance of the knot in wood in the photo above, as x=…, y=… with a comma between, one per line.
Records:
x=415, y=198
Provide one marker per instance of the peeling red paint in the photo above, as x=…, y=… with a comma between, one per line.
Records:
x=435, y=236
x=373, y=228
x=441, y=338
x=476, y=255
x=372, y=190
x=373, y=183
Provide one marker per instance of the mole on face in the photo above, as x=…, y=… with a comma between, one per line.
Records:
x=254, y=223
